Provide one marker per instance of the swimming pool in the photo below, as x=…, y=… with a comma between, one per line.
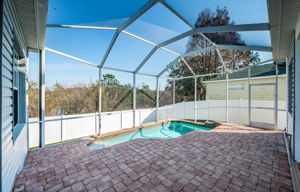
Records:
x=168, y=130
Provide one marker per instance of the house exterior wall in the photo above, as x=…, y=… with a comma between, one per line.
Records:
x=296, y=134
x=13, y=150
x=217, y=90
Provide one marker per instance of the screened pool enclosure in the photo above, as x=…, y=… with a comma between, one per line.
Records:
x=151, y=46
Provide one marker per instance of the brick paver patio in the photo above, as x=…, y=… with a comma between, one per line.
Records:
x=229, y=158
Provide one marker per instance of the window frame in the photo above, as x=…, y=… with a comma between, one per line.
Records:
x=15, y=82
x=18, y=89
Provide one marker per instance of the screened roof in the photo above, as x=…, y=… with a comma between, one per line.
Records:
x=146, y=37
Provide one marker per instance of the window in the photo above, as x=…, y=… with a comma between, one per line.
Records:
x=237, y=86
x=15, y=90
x=19, y=93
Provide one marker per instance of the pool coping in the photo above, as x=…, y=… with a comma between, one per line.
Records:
x=93, y=138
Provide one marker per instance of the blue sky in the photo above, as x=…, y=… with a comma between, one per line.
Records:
x=157, y=25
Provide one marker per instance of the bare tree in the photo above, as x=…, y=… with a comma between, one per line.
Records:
x=209, y=62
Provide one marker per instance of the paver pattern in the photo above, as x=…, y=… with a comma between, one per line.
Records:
x=229, y=158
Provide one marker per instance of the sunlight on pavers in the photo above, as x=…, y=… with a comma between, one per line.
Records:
x=229, y=158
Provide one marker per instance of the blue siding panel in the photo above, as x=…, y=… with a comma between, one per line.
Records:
x=13, y=152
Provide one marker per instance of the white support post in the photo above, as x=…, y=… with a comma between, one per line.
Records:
x=157, y=99
x=42, y=90
x=134, y=99
x=140, y=117
x=96, y=123
x=287, y=96
x=276, y=97
x=99, y=98
x=121, y=117
x=249, y=96
x=174, y=101
x=227, y=97
x=166, y=113
x=195, y=99
x=183, y=109
x=61, y=127
x=26, y=112
x=207, y=110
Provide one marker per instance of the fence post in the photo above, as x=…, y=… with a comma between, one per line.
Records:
x=174, y=98
x=240, y=107
x=99, y=98
x=249, y=96
x=195, y=99
x=134, y=98
x=121, y=117
x=276, y=98
x=183, y=109
x=42, y=90
x=227, y=97
x=140, y=118
x=95, y=122
x=61, y=128
x=157, y=99
x=208, y=110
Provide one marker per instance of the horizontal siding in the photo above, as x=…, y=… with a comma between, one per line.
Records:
x=7, y=28
x=7, y=111
x=7, y=92
x=7, y=145
x=6, y=73
x=9, y=13
x=7, y=49
x=13, y=153
x=6, y=62
x=6, y=83
x=7, y=42
x=6, y=132
x=217, y=90
x=7, y=53
x=18, y=152
x=6, y=119
x=6, y=101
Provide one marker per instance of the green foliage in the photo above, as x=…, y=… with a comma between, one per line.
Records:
x=110, y=80
x=254, y=58
x=83, y=98
x=145, y=97
x=116, y=98
x=33, y=102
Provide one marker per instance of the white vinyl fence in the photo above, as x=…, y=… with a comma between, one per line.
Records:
x=62, y=128
x=67, y=127
x=261, y=112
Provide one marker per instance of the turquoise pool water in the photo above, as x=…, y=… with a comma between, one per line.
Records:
x=163, y=131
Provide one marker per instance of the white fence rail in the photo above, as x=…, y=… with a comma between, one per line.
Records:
x=62, y=128
x=262, y=111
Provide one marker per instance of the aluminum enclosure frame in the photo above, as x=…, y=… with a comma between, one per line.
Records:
x=122, y=29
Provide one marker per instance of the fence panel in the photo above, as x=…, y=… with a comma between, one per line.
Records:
x=76, y=126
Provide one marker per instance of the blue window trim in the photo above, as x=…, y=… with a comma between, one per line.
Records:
x=21, y=106
x=17, y=130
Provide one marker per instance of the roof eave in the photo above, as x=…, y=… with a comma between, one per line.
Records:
x=283, y=16
x=33, y=17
